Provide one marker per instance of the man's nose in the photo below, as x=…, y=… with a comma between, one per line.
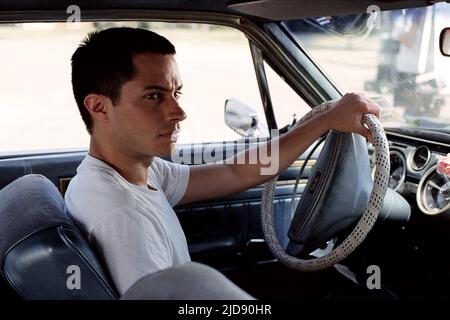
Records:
x=176, y=113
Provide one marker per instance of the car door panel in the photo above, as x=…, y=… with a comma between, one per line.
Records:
x=226, y=232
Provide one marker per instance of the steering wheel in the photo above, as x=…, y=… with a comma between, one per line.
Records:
x=369, y=214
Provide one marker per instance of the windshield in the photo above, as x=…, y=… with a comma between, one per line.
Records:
x=392, y=56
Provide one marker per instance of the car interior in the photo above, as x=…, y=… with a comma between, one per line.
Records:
x=409, y=240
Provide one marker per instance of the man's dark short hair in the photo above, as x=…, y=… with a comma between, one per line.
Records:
x=104, y=62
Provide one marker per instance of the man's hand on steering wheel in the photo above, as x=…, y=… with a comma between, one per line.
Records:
x=346, y=114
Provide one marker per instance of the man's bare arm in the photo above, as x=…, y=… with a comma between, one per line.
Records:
x=218, y=180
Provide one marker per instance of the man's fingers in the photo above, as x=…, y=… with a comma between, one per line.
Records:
x=366, y=134
x=374, y=109
x=377, y=112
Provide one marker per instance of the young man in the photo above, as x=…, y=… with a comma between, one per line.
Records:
x=127, y=84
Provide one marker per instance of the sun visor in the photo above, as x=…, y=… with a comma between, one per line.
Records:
x=295, y=9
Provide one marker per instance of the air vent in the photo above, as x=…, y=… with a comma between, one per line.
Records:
x=420, y=158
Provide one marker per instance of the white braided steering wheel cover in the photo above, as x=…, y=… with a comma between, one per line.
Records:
x=368, y=218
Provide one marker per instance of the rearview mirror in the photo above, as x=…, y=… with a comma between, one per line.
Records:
x=241, y=118
x=444, y=42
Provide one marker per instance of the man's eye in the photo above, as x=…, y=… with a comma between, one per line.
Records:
x=178, y=94
x=152, y=96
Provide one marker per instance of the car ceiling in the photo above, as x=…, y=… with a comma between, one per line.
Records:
x=291, y=9
x=266, y=9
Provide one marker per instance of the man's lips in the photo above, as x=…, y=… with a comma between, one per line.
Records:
x=172, y=135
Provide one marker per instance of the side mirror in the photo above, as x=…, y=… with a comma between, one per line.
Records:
x=444, y=42
x=241, y=118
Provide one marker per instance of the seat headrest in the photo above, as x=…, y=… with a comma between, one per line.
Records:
x=40, y=245
x=29, y=204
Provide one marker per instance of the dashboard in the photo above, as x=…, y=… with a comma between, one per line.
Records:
x=417, y=248
x=413, y=173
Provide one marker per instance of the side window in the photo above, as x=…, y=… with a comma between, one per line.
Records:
x=216, y=65
x=286, y=102
x=39, y=111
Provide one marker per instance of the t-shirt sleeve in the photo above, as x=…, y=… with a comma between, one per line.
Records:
x=133, y=245
x=173, y=178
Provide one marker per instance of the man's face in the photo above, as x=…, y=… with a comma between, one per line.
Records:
x=145, y=120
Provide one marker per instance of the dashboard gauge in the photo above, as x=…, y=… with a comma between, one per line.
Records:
x=398, y=170
x=433, y=193
x=420, y=158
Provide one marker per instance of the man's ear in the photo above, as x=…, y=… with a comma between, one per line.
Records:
x=97, y=105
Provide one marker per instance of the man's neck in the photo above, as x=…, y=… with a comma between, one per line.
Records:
x=134, y=170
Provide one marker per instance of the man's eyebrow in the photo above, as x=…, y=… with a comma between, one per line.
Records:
x=159, y=87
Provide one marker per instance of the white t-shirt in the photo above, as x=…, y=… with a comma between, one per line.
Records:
x=133, y=229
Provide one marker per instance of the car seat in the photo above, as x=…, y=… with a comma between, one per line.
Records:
x=43, y=255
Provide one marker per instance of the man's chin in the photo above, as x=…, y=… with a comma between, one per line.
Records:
x=167, y=151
